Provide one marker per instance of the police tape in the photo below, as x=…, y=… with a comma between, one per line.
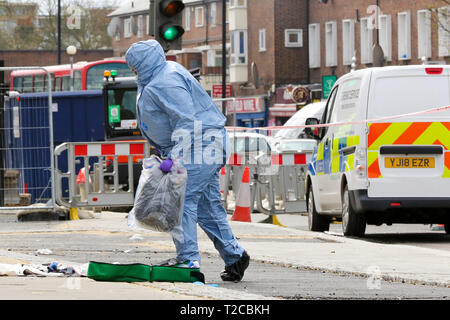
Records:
x=325, y=125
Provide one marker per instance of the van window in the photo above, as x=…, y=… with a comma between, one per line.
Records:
x=330, y=105
x=406, y=94
x=328, y=111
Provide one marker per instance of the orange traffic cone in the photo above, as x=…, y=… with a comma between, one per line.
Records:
x=222, y=180
x=242, y=210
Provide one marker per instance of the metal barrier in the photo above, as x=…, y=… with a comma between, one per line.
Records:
x=100, y=187
x=277, y=182
x=277, y=159
x=26, y=147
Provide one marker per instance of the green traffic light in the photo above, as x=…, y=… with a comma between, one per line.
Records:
x=171, y=33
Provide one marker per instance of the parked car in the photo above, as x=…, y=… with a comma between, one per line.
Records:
x=294, y=145
x=250, y=146
x=312, y=110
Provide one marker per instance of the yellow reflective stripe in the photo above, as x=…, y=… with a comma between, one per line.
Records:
x=436, y=131
x=446, y=173
x=390, y=135
x=350, y=164
x=352, y=141
x=335, y=158
x=320, y=151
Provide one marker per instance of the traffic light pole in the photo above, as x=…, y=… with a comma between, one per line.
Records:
x=59, y=32
x=224, y=54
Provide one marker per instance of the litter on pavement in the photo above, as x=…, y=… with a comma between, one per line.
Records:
x=53, y=269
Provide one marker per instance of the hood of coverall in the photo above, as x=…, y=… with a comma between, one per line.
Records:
x=146, y=57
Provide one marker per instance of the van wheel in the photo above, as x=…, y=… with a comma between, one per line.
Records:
x=353, y=224
x=316, y=222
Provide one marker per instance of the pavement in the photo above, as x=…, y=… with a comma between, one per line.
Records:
x=265, y=243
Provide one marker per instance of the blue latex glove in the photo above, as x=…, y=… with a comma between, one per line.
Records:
x=166, y=165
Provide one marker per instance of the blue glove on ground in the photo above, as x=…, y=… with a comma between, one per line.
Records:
x=166, y=165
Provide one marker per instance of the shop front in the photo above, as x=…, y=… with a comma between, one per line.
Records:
x=251, y=112
x=288, y=100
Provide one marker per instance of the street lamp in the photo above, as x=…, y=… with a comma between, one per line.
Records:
x=71, y=51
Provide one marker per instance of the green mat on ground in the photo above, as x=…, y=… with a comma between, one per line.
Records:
x=137, y=272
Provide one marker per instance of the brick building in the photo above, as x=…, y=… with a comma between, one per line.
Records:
x=277, y=47
x=406, y=30
x=276, y=54
x=13, y=14
x=202, y=40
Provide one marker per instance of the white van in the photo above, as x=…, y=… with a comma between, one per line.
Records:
x=395, y=170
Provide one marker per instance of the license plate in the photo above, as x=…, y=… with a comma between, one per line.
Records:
x=402, y=162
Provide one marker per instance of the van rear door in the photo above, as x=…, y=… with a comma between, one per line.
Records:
x=409, y=156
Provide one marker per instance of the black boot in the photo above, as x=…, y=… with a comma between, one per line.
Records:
x=235, y=272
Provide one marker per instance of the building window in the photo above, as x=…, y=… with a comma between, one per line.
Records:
x=348, y=41
x=444, y=31
x=293, y=38
x=238, y=3
x=140, y=26
x=385, y=31
x=238, y=47
x=314, y=45
x=331, y=44
x=262, y=40
x=227, y=9
x=366, y=41
x=214, y=58
x=404, y=35
x=424, y=33
x=213, y=14
x=127, y=28
x=117, y=31
x=147, y=20
x=187, y=19
x=199, y=17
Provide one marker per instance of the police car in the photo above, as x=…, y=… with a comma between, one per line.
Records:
x=384, y=154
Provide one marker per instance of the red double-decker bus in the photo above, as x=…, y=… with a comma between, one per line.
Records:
x=86, y=76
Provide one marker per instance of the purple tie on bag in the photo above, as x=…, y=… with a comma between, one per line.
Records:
x=166, y=165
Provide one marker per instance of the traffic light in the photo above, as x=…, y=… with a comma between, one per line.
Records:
x=167, y=19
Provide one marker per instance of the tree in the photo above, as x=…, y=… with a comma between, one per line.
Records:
x=440, y=15
x=83, y=24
